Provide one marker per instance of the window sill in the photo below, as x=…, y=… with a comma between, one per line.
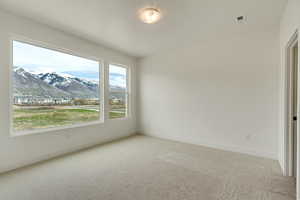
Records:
x=46, y=130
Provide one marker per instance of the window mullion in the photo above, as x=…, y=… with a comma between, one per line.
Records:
x=106, y=91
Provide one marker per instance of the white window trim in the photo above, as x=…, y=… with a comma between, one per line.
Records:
x=62, y=50
x=128, y=92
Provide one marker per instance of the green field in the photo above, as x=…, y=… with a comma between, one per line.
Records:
x=117, y=111
x=115, y=115
x=49, y=117
x=31, y=118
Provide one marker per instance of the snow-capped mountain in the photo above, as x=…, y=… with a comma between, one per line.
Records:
x=76, y=87
x=27, y=84
x=53, y=85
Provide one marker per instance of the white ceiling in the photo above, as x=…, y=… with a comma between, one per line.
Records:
x=114, y=23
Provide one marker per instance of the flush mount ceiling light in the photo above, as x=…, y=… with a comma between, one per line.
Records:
x=150, y=15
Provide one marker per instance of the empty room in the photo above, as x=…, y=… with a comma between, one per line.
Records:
x=149, y=100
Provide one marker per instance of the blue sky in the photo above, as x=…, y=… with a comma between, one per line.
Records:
x=41, y=60
x=45, y=60
x=117, y=76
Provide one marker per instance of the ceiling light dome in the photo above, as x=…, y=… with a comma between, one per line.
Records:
x=150, y=15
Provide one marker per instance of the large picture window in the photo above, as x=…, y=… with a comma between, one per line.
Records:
x=118, y=91
x=51, y=89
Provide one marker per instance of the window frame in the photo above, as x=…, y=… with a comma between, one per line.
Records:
x=128, y=91
x=48, y=46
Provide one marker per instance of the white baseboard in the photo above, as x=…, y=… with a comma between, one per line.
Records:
x=235, y=149
x=59, y=154
x=82, y=147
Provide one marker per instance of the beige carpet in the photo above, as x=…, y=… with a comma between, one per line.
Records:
x=144, y=168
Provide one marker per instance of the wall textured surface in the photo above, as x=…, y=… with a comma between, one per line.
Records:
x=223, y=93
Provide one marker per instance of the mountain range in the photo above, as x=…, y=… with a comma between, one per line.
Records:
x=53, y=85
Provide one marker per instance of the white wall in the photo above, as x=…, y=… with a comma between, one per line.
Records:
x=289, y=24
x=221, y=94
x=20, y=151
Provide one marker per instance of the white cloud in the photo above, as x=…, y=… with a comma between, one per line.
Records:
x=40, y=59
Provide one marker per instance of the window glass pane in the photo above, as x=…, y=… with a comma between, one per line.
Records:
x=118, y=91
x=117, y=78
x=53, y=89
x=118, y=105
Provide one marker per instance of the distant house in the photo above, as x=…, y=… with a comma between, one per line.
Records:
x=116, y=101
x=30, y=100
